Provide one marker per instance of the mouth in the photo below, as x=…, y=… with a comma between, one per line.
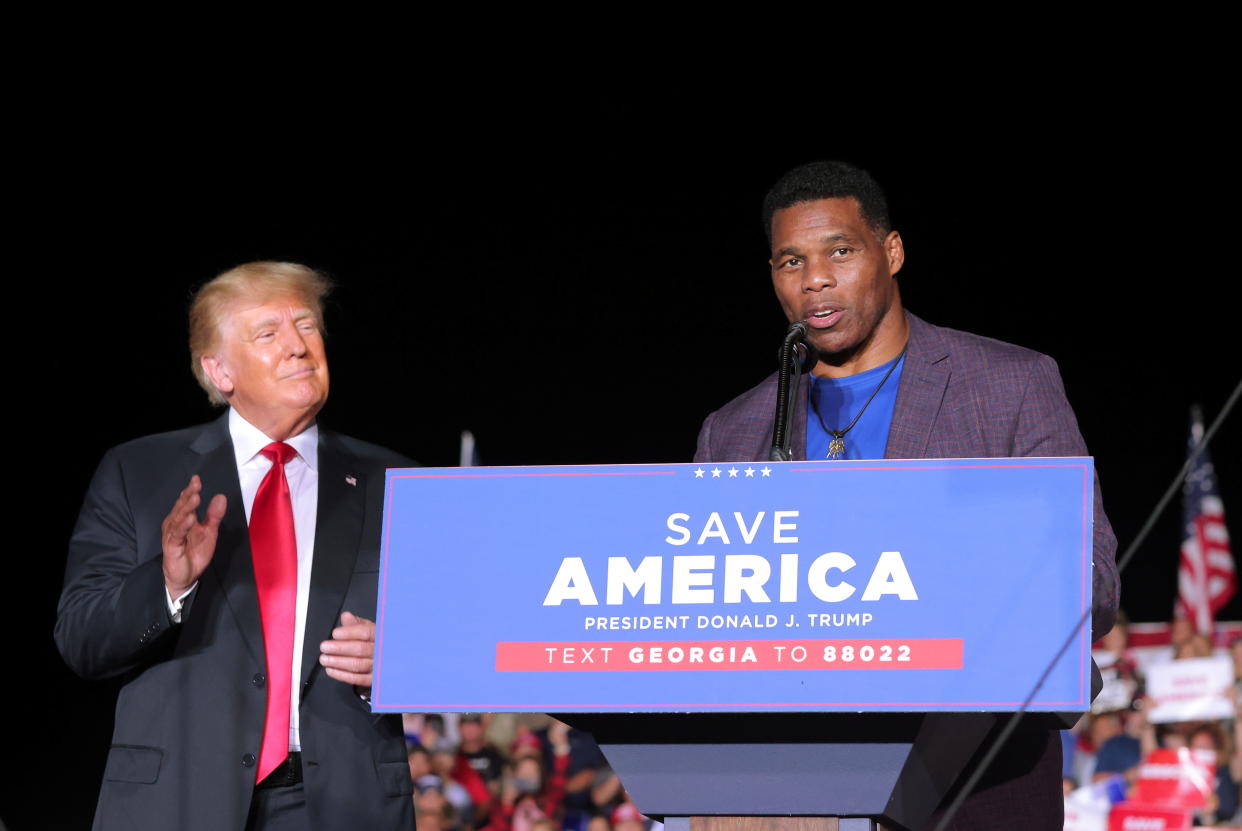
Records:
x=824, y=317
x=301, y=373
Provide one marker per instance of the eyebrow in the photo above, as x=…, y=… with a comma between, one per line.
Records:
x=298, y=316
x=263, y=323
x=840, y=236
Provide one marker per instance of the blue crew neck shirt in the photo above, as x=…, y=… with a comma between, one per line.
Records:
x=838, y=400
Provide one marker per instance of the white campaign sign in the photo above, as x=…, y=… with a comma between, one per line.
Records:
x=1194, y=689
x=1086, y=809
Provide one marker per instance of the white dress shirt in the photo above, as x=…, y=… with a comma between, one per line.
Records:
x=302, y=473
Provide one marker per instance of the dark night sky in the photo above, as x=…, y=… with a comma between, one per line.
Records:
x=496, y=266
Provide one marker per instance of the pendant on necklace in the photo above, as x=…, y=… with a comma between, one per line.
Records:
x=836, y=447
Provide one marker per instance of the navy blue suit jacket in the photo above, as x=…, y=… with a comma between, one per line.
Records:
x=189, y=718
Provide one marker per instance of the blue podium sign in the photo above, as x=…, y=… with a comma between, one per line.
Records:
x=895, y=585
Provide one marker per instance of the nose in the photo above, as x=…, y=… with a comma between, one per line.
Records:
x=293, y=342
x=818, y=275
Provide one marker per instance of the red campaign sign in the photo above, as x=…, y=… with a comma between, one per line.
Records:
x=1180, y=777
x=604, y=656
x=1134, y=816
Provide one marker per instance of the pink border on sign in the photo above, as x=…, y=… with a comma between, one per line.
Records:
x=502, y=475
x=1087, y=501
x=844, y=467
x=426, y=707
x=917, y=467
x=920, y=653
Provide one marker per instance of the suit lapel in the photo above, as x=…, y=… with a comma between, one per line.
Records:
x=920, y=394
x=338, y=530
x=231, y=566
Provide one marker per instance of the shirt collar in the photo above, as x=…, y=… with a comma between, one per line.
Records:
x=248, y=440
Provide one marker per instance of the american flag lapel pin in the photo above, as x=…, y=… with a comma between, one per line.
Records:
x=350, y=480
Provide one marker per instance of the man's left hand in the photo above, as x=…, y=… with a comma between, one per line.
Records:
x=348, y=656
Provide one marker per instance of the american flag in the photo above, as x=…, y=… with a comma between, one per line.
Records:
x=1205, y=577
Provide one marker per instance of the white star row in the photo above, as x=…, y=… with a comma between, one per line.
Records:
x=733, y=472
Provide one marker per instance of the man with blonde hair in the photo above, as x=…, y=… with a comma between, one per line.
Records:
x=241, y=621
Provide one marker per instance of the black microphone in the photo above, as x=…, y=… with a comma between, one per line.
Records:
x=796, y=356
x=805, y=351
x=797, y=331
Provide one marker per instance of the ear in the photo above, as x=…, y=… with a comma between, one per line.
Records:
x=217, y=373
x=895, y=250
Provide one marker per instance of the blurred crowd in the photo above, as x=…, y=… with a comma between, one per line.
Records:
x=512, y=772
x=1109, y=745
x=530, y=772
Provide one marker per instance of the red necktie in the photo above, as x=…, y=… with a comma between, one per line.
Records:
x=274, y=549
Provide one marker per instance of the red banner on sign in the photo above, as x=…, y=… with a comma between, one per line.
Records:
x=653, y=656
x=1179, y=777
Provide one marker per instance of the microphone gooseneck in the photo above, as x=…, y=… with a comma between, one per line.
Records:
x=795, y=354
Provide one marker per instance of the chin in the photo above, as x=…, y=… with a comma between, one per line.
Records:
x=311, y=401
x=833, y=343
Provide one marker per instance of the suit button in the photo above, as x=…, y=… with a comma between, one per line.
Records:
x=258, y=680
x=248, y=760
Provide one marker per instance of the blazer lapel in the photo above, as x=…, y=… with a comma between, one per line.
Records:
x=924, y=379
x=338, y=531
x=231, y=566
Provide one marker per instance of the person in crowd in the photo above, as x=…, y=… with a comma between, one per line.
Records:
x=479, y=766
x=1099, y=728
x=1114, y=650
x=427, y=729
x=1196, y=646
x=607, y=792
x=530, y=794
x=419, y=761
x=1180, y=631
x=585, y=761
x=627, y=817
x=443, y=764
x=1118, y=754
x=1211, y=736
x=432, y=810
x=525, y=744
x=476, y=752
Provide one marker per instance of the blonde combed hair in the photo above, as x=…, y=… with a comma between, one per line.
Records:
x=257, y=281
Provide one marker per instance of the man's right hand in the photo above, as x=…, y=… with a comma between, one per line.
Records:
x=188, y=543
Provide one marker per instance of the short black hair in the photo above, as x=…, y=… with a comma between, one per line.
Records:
x=828, y=180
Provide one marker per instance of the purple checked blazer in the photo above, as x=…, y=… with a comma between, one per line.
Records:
x=962, y=396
